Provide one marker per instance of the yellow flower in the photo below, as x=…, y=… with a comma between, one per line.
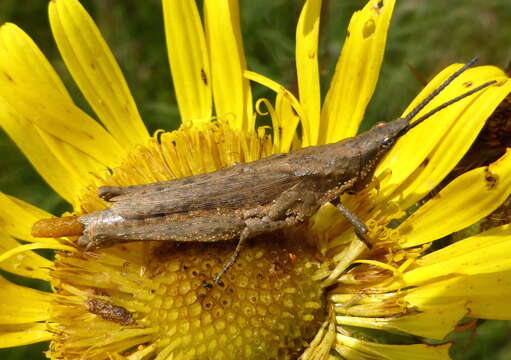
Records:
x=313, y=290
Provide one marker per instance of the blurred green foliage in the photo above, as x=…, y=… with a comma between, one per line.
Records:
x=425, y=36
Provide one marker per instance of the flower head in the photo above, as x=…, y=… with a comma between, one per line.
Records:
x=310, y=290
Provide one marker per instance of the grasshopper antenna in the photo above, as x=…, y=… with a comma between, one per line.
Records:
x=446, y=104
x=439, y=89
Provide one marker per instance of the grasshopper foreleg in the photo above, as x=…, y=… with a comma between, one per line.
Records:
x=360, y=228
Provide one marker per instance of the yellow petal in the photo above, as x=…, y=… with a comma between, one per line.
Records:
x=354, y=349
x=23, y=51
x=307, y=34
x=17, y=335
x=62, y=142
x=26, y=263
x=17, y=218
x=231, y=91
x=467, y=199
x=430, y=321
x=26, y=65
x=444, y=138
x=21, y=304
x=356, y=72
x=188, y=58
x=288, y=122
x=57, y=117
x=36, y=150
x=486, y=296
x=453, y=145
x=264, y=107
x=401, y=154
x=97, y=74
x=287, y=100
x=483, y=253
x=21, y=249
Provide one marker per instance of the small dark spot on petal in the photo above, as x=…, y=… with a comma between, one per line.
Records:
x=369, y=28
x=378, y=6
x=9, y=77
x=204, y=77
x=490, y=178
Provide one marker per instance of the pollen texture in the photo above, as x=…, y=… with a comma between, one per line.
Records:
x=159, y=301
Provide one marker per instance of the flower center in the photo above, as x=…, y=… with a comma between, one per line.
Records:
x=161, y=298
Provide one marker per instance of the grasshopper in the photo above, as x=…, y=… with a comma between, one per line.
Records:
x=244, y=200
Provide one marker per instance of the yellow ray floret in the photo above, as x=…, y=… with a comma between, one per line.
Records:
x=478, y=254
x=58, y=159
x=231, y=91
x=307, y=34
x=455, y=126
x=484, y=295
x=95, y=71
x=24, y=263
x=467, y=199
x=455, y=142
x=23, y=334
x=352, y=348
x=18, y=220
x=356, y=72
x=288, y=109
x=21, y=305
x=189, y=60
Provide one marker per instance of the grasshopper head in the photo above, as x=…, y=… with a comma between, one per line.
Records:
x=374, y=145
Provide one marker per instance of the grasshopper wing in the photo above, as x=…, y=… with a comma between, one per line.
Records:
x=104, y=228
x=238, y=187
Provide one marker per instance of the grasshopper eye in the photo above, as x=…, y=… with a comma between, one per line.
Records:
x=388, y=141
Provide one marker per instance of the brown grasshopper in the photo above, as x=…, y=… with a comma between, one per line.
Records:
x=244, y=200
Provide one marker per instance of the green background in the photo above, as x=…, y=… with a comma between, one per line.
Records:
x=424, y=37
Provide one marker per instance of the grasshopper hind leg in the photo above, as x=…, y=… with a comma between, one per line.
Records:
x=241, y=243
x=253, y=228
